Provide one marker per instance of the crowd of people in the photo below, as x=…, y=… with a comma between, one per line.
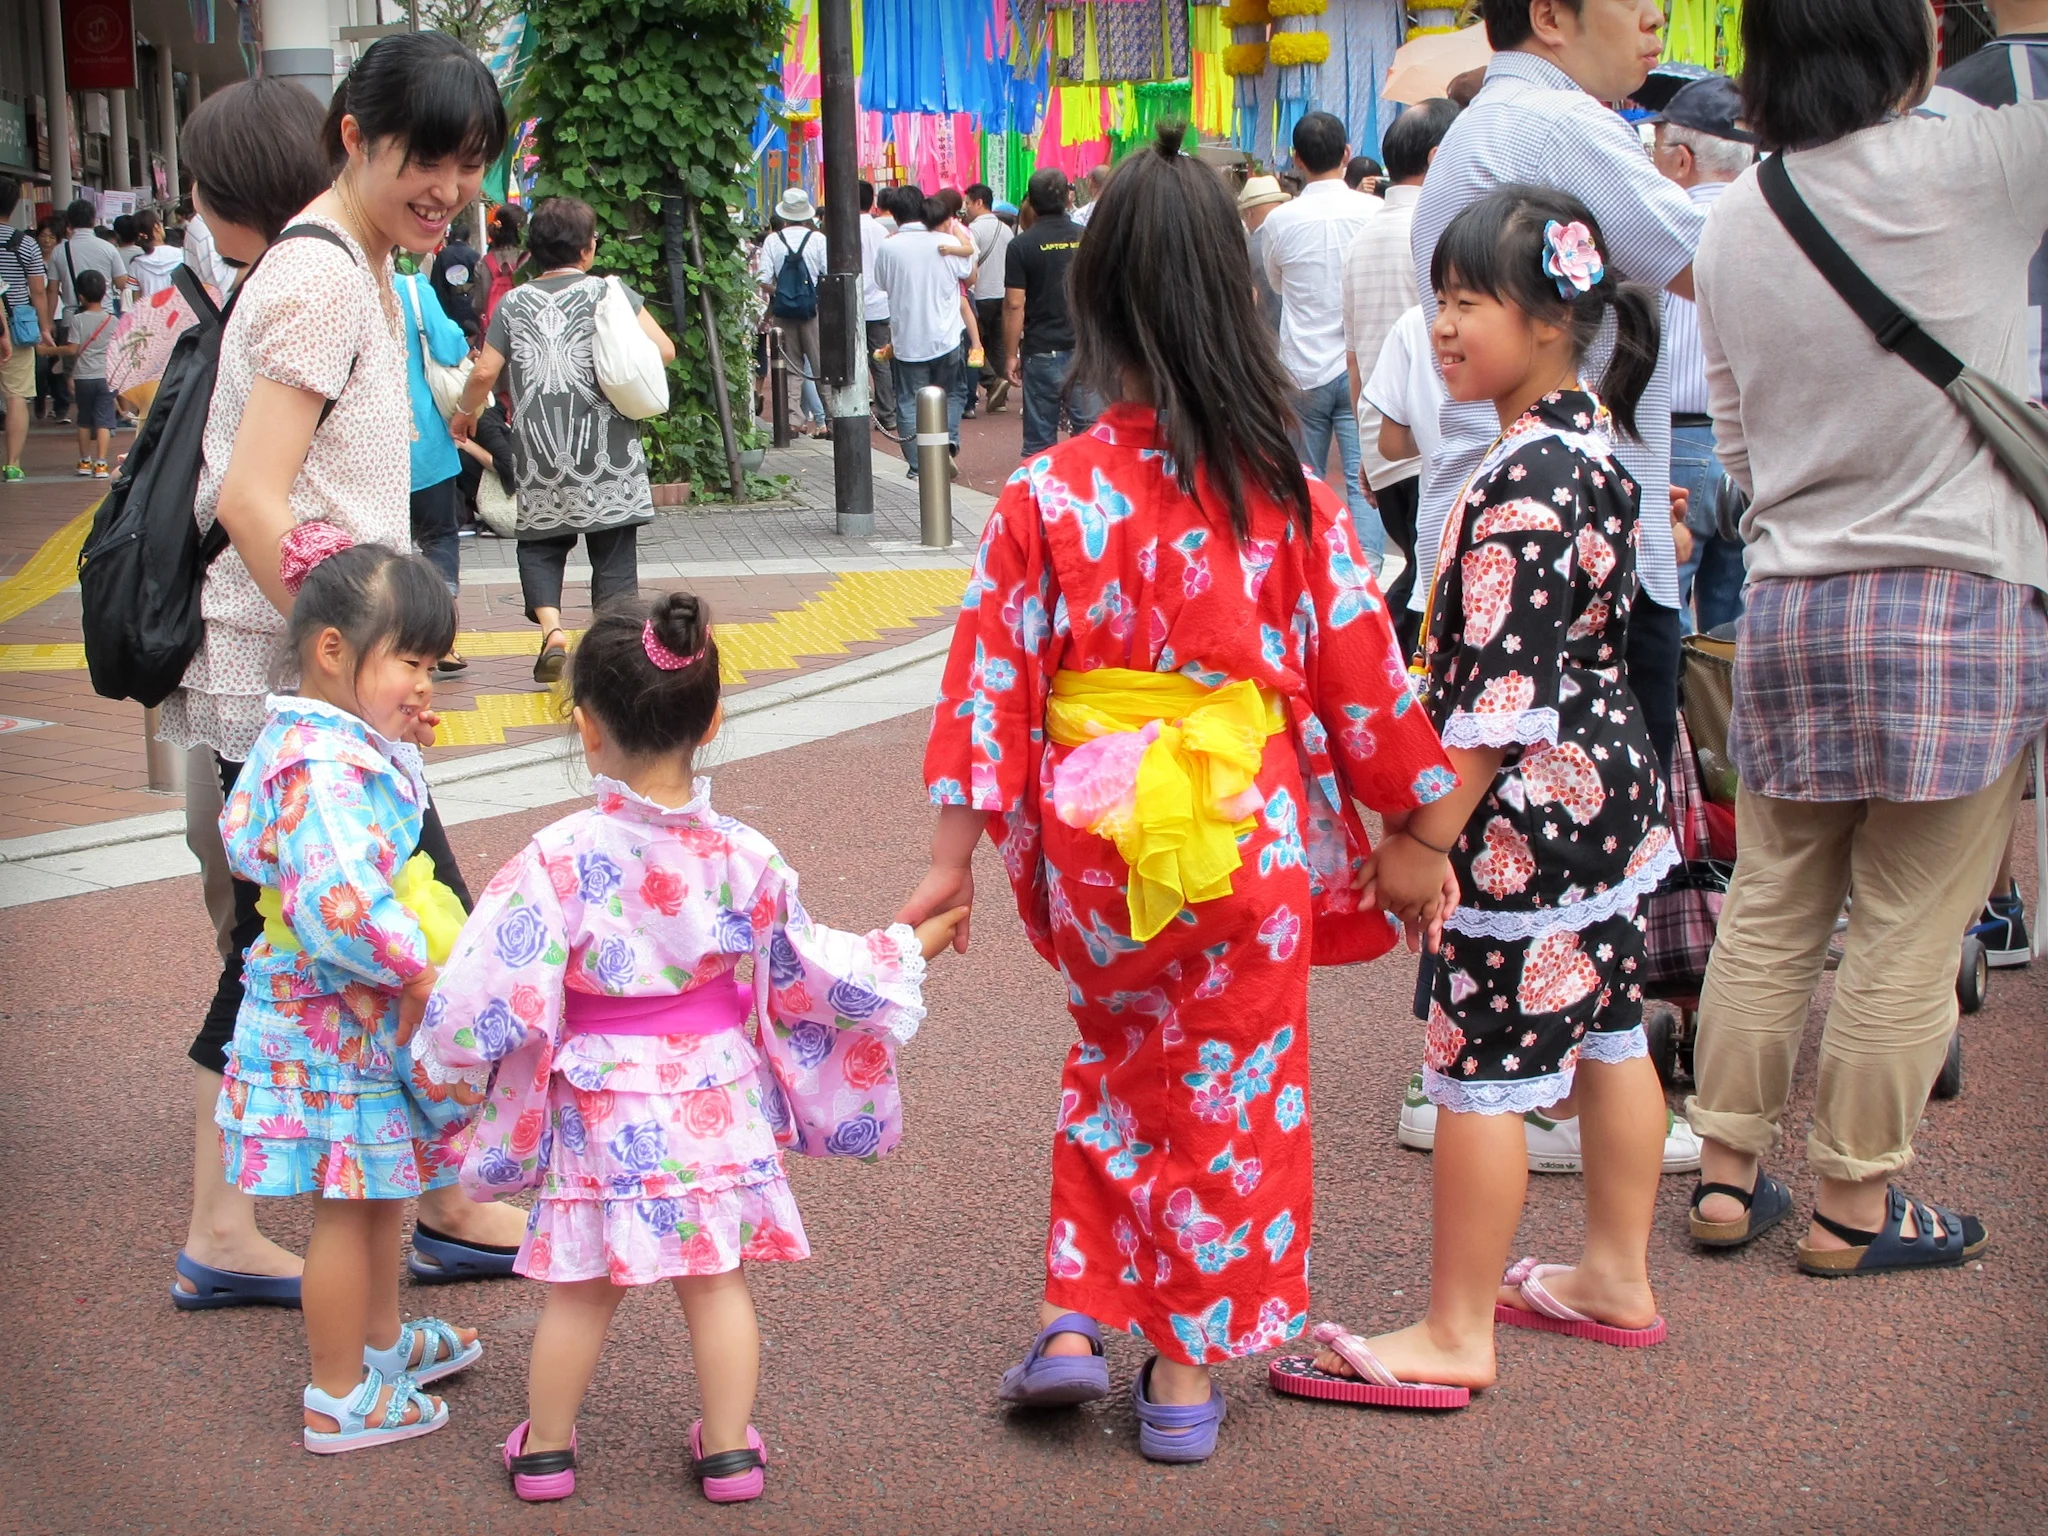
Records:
x=1176, y=685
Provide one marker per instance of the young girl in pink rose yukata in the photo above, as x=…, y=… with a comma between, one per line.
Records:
x=598, y=974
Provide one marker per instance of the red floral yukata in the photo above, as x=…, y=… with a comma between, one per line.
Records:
x=1181, y=1175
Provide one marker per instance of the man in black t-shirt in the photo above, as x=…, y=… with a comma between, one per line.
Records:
x=1035, y=313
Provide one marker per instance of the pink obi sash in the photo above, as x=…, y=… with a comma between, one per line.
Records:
x=705, y=1010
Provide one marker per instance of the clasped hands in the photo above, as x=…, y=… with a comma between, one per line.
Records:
x=1412, y=882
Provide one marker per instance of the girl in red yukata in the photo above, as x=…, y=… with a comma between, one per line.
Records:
x=1172, y=682
x=1556, y=830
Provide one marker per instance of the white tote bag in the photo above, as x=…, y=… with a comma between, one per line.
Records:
x=629, y=366
x=444, y=382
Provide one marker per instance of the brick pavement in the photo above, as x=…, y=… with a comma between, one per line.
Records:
x=791, y=592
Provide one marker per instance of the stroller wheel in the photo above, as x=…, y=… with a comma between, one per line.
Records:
x=1950, y=1081
x=1973, y=975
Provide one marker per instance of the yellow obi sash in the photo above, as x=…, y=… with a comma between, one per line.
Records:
x=436, y=908
x=1166, y=769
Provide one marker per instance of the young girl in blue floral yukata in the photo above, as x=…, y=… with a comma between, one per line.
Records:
x=598, y=979
x=1172, y=684
x=318, y=1097
x=1556, y=830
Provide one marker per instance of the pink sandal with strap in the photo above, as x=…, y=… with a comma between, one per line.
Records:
x=1374, y=1386
x=1549, y=1315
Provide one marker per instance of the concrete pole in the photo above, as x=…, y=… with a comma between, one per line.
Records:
x=167, y=92
x=297, y=45
x=56, y=102
x=117, y=141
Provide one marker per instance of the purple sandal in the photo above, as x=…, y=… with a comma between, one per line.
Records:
x=1170, y=1432
x=1058, y=1381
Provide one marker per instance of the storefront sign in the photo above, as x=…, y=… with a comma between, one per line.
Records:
x=13, y=135
x=99, y=46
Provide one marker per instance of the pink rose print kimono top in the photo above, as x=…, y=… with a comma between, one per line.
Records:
x=318, y=1097
x=1181, y=1187
x=1542, y=962
x=597, y=976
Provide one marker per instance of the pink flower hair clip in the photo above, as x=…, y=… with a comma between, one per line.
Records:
x=665, y=658
x=1572, y=258
x=305, y=547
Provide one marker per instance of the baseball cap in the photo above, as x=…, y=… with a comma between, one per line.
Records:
x=1711, y=105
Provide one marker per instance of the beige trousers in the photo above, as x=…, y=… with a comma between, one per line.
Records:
x=1919, y=872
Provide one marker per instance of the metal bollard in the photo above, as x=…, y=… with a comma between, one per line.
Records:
x=166, y=763
x=934, y=470
x=778, y=388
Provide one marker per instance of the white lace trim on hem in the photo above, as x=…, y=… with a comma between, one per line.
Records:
x=1523, y=728
x=1615, y=1045
x=1511, y=1098
x=1490, y=923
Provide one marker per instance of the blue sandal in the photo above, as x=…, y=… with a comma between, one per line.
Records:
x=352, y=1413
x=1876, y=1253
x=1763, y=1207
x=442, y=1355
x=1170, y=1432
x=213, y=1288
x=437, y=1258
x=1058, y=1381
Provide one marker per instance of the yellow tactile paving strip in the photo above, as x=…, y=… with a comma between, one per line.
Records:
x=42, y=576
x=856, y=607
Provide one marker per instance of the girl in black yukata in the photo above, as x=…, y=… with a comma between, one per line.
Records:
x=1556, y=831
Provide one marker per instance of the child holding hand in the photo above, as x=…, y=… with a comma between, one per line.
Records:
x=1172, y=685
x=317, y=1096
x=1556, y=830
x=598, y=976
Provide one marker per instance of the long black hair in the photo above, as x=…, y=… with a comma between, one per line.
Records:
x=647, y=710
x=1496, y=246
x=1162, y=286
x=376, y=597
x=427, y=91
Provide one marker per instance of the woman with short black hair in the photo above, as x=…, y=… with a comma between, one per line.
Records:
x=1893, y=659
x=580, y=465
x=309, y=428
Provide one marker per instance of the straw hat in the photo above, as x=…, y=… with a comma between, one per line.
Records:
x=1259, y=191
x=794, y=207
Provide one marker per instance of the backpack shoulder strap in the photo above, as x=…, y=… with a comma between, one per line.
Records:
x=1896, y=331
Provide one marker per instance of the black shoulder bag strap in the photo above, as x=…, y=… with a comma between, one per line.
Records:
x=310, y=231
x=1896, y=331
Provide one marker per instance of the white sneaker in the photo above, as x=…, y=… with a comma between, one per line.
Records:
x=1418, y=1119
x=1553, y=1144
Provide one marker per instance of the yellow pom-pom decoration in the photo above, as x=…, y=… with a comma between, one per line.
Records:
x=1248, y=13
x=1297, y=7
x=1292, y=50
x=437, y=908
x=1244, y=59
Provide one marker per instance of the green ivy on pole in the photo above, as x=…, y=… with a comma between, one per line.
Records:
x=637, y=98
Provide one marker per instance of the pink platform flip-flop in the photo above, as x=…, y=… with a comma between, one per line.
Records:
x=1549, y=1315
x=1375, y=1386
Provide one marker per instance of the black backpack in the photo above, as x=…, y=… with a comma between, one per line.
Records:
x=796, y=290
x=145, y=560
